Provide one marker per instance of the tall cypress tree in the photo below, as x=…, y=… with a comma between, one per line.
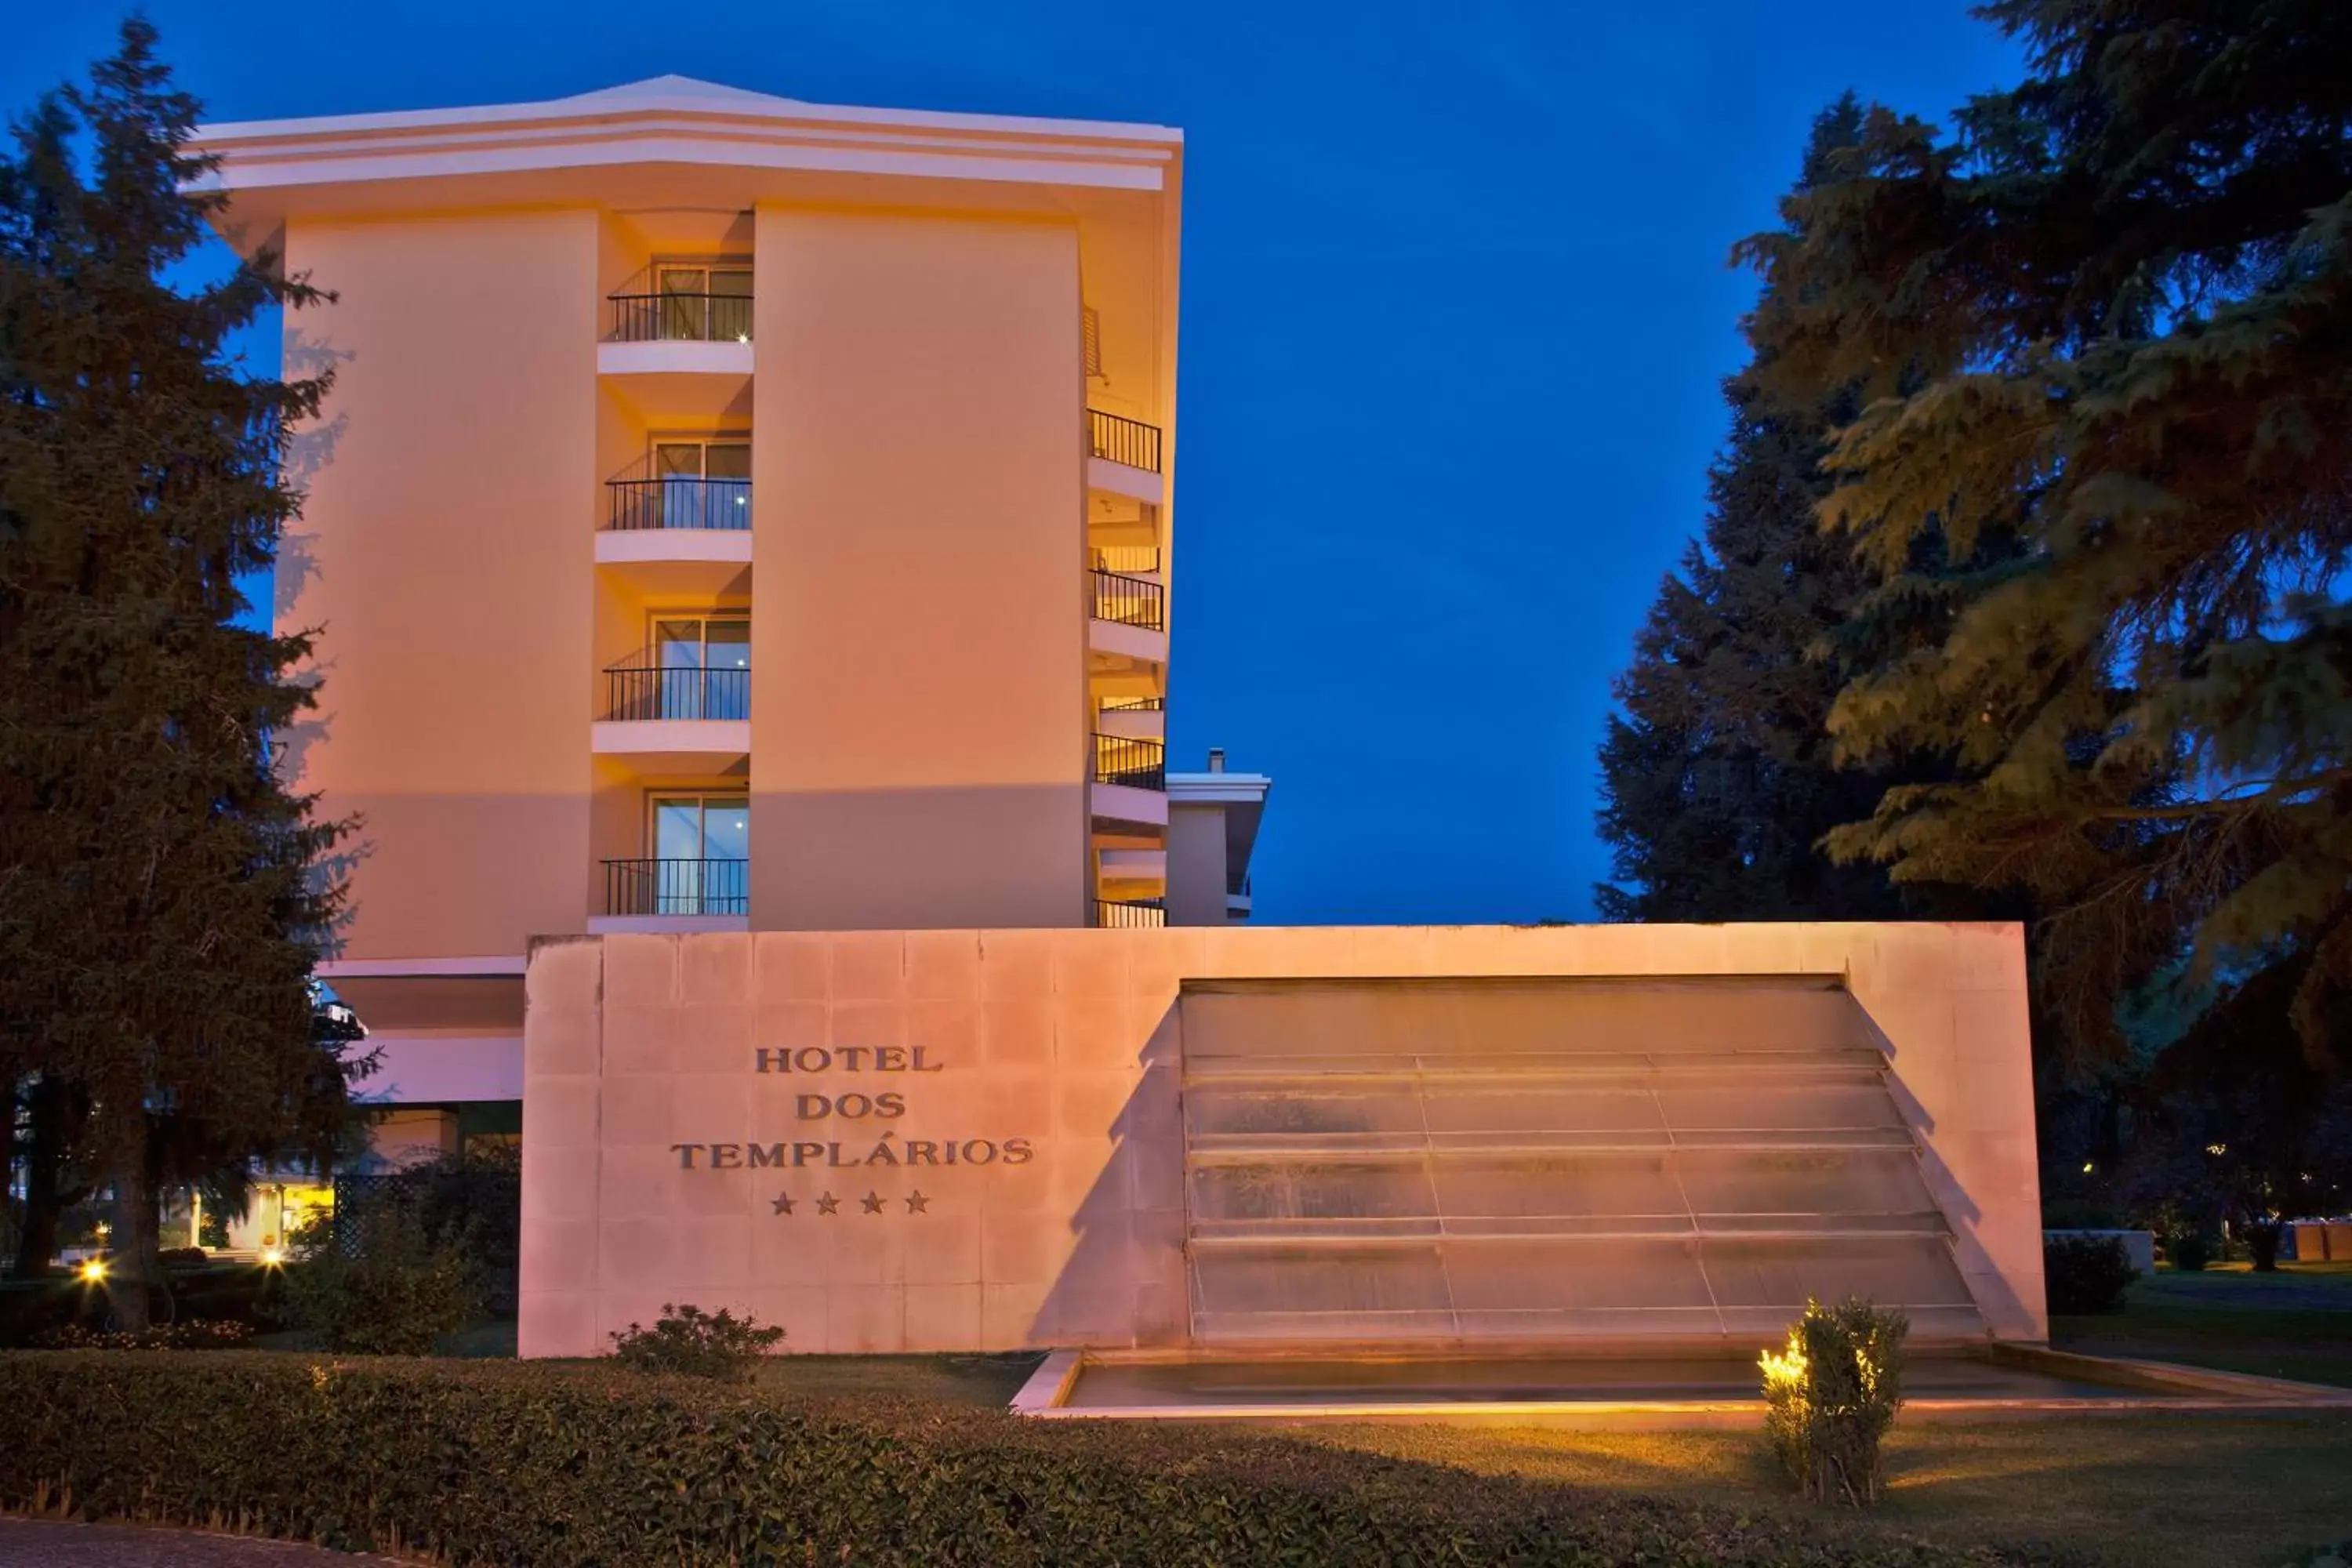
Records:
x=1718, y=780
x=163, y=894
x=2109, y=316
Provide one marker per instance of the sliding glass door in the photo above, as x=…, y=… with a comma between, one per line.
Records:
x=702, y=850
x=704, y=484
x=706, y=665
x=705, y=302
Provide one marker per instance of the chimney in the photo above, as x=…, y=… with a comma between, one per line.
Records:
x=1216, y=759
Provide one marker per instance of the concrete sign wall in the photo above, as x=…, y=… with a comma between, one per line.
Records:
x=959, y=1140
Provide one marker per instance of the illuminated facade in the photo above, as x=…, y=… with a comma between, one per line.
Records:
x=731, y=514
x=742, y=534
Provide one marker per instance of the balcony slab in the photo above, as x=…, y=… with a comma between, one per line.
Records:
x=1124, y=641
x=1119, y=479
x=673, y=745
x=664, y=925
x=1125, y=803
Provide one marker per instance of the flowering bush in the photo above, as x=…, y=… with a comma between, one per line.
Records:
x=699, y=1343
x=1830, y=1396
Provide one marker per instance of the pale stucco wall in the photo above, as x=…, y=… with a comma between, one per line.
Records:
x=918, y=652
x=1071, y=1040
x=1196, y=865
x=446, y=549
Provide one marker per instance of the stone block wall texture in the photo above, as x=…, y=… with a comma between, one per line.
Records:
x=1051, y=1067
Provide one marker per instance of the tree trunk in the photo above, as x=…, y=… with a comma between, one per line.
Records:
x=45, y=1156
x=131, y=1263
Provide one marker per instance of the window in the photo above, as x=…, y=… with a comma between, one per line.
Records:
x=702, y=849
x=705, y=302
x=706, y=662
x=704, y=483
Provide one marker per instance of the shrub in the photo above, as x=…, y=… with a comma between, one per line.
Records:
x=698, y=1344
x=195, y=1335
x=1830, y=1397
x=2189, y=1250
x=484, y=1462
x=473, y=1200
x=2262, y=1239
x=379, y=1285
x=181, y=1258
x=2085, y=1273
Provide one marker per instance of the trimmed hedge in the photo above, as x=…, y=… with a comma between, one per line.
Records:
x=536, y=1464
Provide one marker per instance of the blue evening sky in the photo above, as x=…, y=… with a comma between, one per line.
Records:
x=1456, y=306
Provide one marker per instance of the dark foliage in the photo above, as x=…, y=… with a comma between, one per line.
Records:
x=489, y=1464
x=2107, y=320
x=162, y=895
x=2085, y=1273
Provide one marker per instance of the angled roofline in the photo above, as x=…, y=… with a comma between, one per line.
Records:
x=682, y=95
x=677, y=120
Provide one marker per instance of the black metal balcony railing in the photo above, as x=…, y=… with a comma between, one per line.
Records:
x=1123, y=440
x=648, y=691
x=1135, y=560
x=677, y=887
x=1138, y=765
x=680, y=318
x=1131, y=601
x=1137, y=705
x=1122, y=914
x=678, y=502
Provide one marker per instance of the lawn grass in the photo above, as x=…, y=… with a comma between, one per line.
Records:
x=991, y=1380
x=2295, y=1323
x=2195, y=1492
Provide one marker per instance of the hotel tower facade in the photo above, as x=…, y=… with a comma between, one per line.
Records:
x=731, y=514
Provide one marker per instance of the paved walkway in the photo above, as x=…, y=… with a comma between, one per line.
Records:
x=48, y=1543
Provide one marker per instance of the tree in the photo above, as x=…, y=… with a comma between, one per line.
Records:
x=2110, y=318
x=1717, y=782
x=163, y=893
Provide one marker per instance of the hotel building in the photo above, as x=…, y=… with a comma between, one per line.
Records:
x=741, y=535
x=731, y=514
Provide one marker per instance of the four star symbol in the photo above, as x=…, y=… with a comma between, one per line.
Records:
x=872, y=1203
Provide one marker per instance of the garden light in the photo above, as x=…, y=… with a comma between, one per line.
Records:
x=93, y=1270
x=272, y=1257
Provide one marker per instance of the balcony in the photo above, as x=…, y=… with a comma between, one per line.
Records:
x=1123, y=457
x=676, y=534
x=1130, y=443
x=1130, y=780
x=686, y=353
x=673, y=719
x=678, y=502
x=1129, y=618
x=1128, y=914
x=679, y=316
x=1134, y=718
x=676, y=895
